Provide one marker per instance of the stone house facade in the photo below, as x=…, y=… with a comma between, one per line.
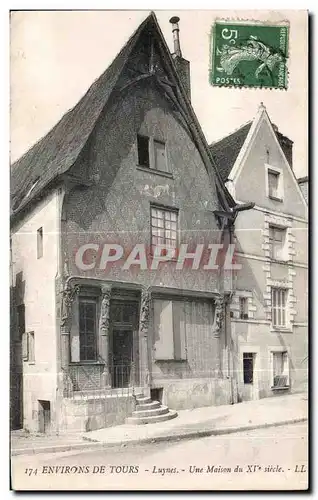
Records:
x=269, y=309
x=126, y=170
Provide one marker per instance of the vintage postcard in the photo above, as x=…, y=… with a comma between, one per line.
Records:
x=158, y=250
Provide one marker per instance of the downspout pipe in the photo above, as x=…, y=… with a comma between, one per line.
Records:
x=231, y=224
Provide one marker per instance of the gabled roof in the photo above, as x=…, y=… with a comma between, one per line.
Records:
x=56, y=153
x=226, y=150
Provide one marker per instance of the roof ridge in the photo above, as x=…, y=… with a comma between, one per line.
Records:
x=231, y=133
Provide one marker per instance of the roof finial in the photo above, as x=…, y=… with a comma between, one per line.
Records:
x=261, y=106
x=175, y=30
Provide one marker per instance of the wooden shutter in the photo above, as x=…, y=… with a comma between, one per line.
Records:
x=160, y=156
x=163, y=329
x=179, y=330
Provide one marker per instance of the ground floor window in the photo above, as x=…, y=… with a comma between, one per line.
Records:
x=248, y=367
x=88, y=329
x=280, y=369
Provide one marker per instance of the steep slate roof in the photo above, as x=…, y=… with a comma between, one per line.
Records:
x=226, y=150
x=54, y=154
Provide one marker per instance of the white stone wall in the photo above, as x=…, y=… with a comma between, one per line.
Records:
x=35, y=281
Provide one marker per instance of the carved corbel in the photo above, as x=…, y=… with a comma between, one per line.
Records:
x=218, y=316
x=68, y=296
x=105, y=309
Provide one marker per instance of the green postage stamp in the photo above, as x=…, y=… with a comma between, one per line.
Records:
x=249, y=55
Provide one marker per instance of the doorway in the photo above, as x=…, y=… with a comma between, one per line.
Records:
x=124, y=343
x=44, y=416
x=250, y=382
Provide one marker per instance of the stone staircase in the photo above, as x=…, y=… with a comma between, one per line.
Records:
x=150, y=412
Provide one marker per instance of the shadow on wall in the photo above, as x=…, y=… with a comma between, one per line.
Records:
x=17, y=328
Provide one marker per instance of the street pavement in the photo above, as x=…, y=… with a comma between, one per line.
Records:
x=269, y=458
x=197, y=422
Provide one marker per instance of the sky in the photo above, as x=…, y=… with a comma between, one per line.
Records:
x=56, y=56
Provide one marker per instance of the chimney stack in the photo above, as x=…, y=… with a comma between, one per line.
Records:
x=181, y=64
x=175, y=31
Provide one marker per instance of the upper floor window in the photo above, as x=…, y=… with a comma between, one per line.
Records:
x=243, y=307
x=274, y=182
x=279, y=301
x=143, y=151
x=163, y=227
x=88, y=329
x=160, y=156
x=273, y=179
x=39, y=237
x=277, y=238
x=152, y=153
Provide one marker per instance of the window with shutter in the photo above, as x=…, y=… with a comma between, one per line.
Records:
x=169, y=329
x=279, y=298
x=280, y=369
x=160, y=156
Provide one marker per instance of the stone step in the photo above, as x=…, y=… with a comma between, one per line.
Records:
x=152, y=420
x=143, y=399
x=148, y=406
x=150, y=413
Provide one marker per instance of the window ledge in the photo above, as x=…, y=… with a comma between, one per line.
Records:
x=275, y=198
x=154, y=171
x=169, y=360
x=280, y=261
x=285, y=388
x=276, y=329
x=79, y=363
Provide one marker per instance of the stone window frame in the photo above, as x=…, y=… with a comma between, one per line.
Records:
x=283, y=230
x=283, y=308
x=235, y=305
x=282, y=221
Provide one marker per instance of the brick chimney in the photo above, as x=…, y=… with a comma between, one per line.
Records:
x=181, y=64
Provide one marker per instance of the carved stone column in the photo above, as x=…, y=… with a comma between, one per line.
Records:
x=104, y=333
x=218, y=328
x=143, y=341
x=68, y=296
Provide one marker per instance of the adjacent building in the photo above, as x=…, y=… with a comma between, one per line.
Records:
x=303, y=184
x=269, y=307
